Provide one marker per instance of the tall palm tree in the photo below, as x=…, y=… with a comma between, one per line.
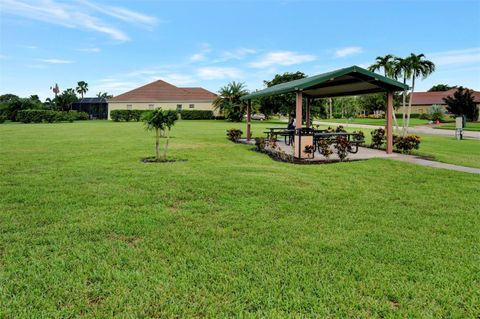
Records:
x=385, y=63
x=403, y=69
x=228, y=101
x=82, y=88
x=418, y=66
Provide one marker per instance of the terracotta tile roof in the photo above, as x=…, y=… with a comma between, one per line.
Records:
x=163, y=91
x=429, y=98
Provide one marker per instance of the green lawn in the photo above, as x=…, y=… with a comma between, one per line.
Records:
x=87, y=230
x=413, y=122
x=471, y=126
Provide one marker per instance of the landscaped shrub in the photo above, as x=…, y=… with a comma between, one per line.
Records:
x=340, y=129
x=424, y=116
x=342, y=146
x=259, y=144
x=324, y=148
x=406, y=144
x=435, y=113
x=378, y=137
x=126, y=115
x=234, y=134
x=49, y=116
x=309, y=149
x=337, y=115
x=3, y=118
x=196, y=115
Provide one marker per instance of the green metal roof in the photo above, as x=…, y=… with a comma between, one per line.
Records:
x=353, y=80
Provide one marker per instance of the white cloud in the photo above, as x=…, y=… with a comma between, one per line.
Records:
x=77, y=15
x=344, y=52
x=237, y=54
x=215, y=73
x=56, y=61
x=197, y=57
x=176, y=78
x=91, y=50
x=465, y=56
x=282, y=58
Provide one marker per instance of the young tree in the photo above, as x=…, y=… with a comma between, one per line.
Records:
x=160, y=120
x=82, y=88
x=419, y=66
x=462, y=103
x=65, y=99
x=228, y=101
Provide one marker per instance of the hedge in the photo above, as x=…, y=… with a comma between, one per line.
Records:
x=49, y=116
x=196, y=115
x=126, y=115
x=412, y=115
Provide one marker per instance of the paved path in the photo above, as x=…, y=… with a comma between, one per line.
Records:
x=419, y=129
x=423, y=162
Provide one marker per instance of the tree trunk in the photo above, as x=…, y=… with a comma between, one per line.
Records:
x=404, y=102
x=157, y=145
x=409, y=106
x=330, y=108
x=166, y=146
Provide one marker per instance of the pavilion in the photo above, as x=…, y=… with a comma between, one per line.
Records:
x=353, y=80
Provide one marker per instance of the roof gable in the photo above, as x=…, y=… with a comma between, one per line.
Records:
x=430, y=98
x=164, y=91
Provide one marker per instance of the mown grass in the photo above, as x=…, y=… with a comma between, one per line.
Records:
x=413, y=121
x=471, y=126
x=87, y=230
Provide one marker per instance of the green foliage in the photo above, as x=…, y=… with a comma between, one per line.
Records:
x=64, y=100
x=340, y=129
x=342, y=146
x=372, y=102
x=196, y=115
x=12, y=104
x=159, y=119
x=441, y=87
x=462, y=103
x=324, y=148
x=127, y=115
x=82, y=88
x=259, y=144
x=234, y=134
x=435, y=113
x=49, y=116
x=405, y=144
x=228, y=101
x=378, y=137
x=385, y=63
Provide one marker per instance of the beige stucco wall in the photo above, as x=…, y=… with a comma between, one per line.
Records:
x=420, y=109
x=168, y=105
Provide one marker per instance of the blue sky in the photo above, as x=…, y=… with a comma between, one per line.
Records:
x=118, y=45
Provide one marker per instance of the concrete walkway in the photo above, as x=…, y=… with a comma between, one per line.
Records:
x=420, y=129
x=423, y=162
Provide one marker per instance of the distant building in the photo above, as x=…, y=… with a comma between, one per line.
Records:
x=422, y=101
x=96, y=107
x=160, y=94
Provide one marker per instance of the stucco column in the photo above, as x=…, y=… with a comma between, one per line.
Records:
x=389, y=127
x=298, y=110
x=249, y=108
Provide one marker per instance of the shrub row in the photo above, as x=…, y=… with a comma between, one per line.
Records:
x=50, y=116
x=136, y=115
x=196, y=115
x=402, y=144
x=126, y=115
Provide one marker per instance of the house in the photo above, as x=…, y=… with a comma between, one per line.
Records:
x=422, y=101
x=160, y=94
x=96, y=107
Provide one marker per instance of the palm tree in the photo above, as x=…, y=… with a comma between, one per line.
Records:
x=82, y=88
x=418, y=66
x=228, y=101
x=104, y=95
x=402, y=69
x=387, y=63
x=383, y=62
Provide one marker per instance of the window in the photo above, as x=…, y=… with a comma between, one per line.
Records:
x=191, y=106
x=129, y=106
x=179, y=107
x=151, y=106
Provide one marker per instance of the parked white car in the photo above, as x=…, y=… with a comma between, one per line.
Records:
x=259, y=117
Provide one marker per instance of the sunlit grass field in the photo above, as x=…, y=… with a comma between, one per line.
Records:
x=471, y=126
x=87, y=230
